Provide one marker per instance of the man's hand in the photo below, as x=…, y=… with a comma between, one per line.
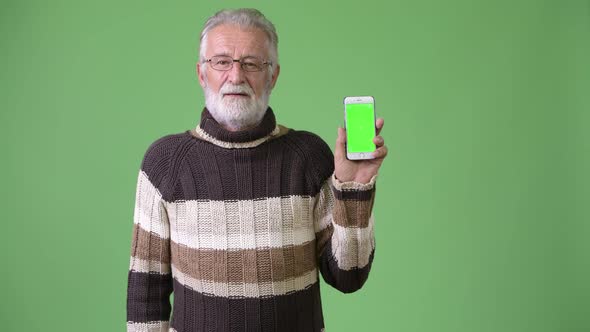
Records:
x=360, y=171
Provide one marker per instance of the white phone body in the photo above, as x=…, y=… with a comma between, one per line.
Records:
x=363, y=131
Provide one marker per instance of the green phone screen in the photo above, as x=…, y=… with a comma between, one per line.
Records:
x=360, y=127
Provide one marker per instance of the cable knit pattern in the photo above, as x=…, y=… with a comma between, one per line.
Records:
x=239, y=226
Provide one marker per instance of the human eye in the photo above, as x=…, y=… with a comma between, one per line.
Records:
x=222, y=61
x=251, y=64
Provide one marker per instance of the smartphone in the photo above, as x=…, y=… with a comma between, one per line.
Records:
x=359, y=121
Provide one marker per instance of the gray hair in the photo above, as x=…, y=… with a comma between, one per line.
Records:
x=244, y=18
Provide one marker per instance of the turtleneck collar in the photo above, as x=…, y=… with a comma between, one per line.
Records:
x=210, y=130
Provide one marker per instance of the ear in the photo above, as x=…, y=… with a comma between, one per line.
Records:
x=201, y=74
x=275, y=76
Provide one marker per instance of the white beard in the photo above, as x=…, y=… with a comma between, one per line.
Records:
x=236, y=113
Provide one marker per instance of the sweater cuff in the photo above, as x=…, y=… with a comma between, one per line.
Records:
x=351, y=185
x=155, y=326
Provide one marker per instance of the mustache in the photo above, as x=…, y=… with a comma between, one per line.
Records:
x=231, y=88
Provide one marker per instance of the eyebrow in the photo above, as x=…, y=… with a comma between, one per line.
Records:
x=244, y=56
x=222, y=53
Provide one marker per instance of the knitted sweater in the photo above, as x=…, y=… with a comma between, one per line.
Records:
x=238, y=225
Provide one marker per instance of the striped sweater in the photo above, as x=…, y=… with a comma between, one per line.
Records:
x=238, y=226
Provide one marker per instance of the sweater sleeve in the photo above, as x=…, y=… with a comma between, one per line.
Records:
x=149, y=278
x=345, y=240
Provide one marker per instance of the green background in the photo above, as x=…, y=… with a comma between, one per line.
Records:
x=360, y=127
x=482, y=214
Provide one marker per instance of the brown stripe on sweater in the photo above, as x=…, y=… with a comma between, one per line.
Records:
x=149, y=246
x=354, y=195
x=352, y=213
x=245, y=266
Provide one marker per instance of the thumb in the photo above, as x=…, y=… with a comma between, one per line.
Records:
x=340, y=150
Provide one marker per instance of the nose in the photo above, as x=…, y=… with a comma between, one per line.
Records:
x=236, y=74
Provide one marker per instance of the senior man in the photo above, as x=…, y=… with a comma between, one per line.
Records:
x=238, y=216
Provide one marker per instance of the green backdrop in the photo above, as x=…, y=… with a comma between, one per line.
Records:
x=482, y=210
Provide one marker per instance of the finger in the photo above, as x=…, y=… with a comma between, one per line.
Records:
x=380, y=152
x=379, y=125
x=378, y=140
x=339, y=151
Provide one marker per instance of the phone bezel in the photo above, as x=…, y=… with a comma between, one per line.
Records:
x=367, y=155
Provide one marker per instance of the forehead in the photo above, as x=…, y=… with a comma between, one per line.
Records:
x=237, y=41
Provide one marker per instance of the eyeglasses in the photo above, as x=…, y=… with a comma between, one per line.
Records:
x=249, y=64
